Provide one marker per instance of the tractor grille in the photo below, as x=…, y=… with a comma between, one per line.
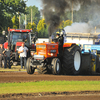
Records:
x=41, y=46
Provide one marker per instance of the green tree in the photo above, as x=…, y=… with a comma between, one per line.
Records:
x=65, y=23
x=33, y=26
x=15, y=21
x=9, y=8
x=42, y=29
x=35, y=14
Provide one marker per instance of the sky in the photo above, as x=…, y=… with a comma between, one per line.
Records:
x=37, y=3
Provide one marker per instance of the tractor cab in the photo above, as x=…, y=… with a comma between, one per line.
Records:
x=17, y=36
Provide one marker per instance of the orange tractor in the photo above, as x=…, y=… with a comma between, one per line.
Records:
x=55, y=58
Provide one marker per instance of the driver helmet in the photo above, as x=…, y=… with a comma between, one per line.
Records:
x=57, y=33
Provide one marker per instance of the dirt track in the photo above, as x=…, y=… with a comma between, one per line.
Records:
x=87, y=95
x=24, y=77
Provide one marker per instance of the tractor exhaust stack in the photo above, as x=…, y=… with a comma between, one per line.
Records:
x=50, y=39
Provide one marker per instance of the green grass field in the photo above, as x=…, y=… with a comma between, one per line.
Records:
x=49, y=86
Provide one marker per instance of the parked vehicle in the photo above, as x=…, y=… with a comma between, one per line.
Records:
x=15, y=39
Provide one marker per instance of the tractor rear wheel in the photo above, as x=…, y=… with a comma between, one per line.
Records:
x=29, y=68
x=11, y=62
x=56, y=66
x=97, y=64
x=7, y=65
x=72, y=60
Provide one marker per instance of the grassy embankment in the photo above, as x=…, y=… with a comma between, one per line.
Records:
x=13, y=68
x=49, y=86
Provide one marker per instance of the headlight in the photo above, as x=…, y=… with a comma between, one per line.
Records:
x=32, y=53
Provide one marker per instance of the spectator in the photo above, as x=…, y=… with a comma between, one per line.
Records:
x=7, y=54
x=23, y=54
x=1, y=55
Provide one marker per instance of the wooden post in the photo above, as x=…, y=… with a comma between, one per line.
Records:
x=19, y=21
x=72, y=11
x=25, y=18
x=25, y=21
x=95, y=29
x=31, y=16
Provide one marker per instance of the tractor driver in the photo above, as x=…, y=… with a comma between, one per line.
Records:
x=57, y=35
x=64, y=36
x=61, y=40
x=56, y=39
x=61, y=36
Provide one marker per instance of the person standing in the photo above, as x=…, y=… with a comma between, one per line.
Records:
x=7, y=54
x=23, y=54
x=1, y=55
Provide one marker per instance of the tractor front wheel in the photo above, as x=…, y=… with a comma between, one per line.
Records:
x=29, y=68
x=56, y=66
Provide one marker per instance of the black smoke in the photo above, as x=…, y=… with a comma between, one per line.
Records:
x=54, y=9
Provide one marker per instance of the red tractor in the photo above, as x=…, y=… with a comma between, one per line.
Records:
x=55, y=58
x=15, y=39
